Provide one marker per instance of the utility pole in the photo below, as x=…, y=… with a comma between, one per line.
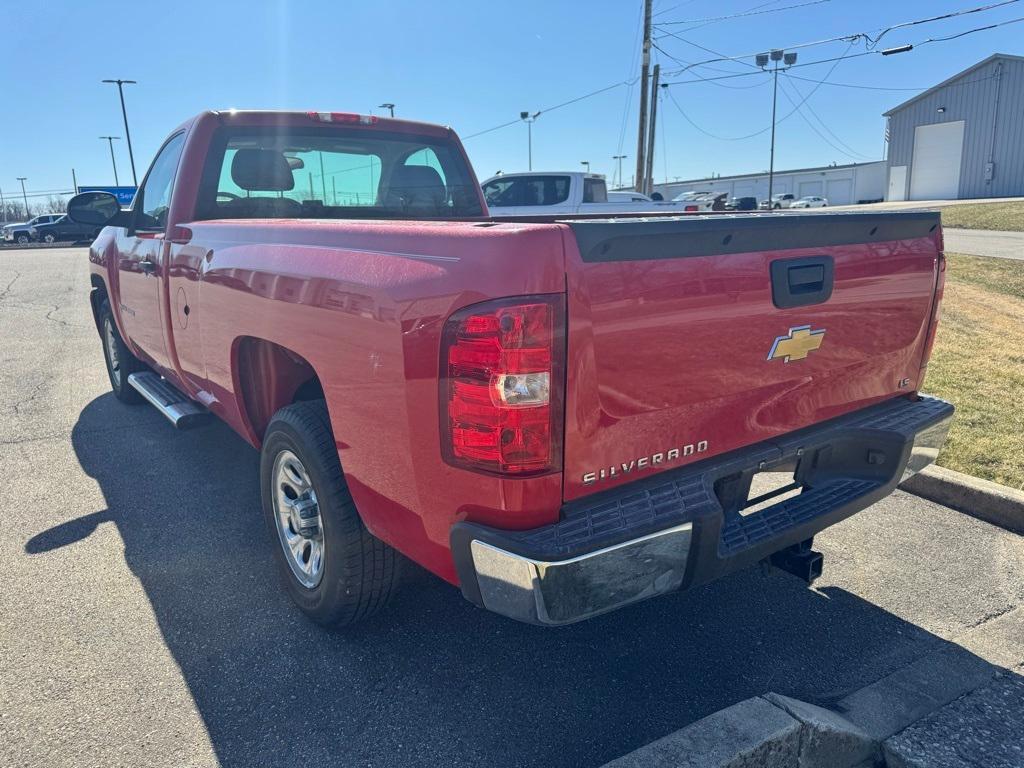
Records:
x=644, y=71
x=389, y=106
x=620, y=158
x=649, y=170
x=110, y=141
x=3, y=206
x=24, y=196
x=74, y=182
x=124, y=114
x=788, y=59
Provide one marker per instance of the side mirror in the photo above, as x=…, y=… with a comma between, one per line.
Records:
x=98, y=209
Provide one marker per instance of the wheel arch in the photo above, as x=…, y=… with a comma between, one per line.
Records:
x=97, y=296
x=267, y=377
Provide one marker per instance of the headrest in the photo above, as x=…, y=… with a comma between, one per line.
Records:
x=416, y=177
x=261, y=170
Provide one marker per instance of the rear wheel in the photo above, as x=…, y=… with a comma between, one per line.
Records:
x=333, y=568
x=121, y=363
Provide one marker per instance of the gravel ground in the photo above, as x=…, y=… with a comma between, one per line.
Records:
x=142, y=622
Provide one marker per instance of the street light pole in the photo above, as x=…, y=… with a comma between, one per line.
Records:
x=127, y=133
x=527, y=118
x=113, y=162
x=788, y=59
x=620, y=158
x=586, y=163
x=24, y=196
x=389, y=106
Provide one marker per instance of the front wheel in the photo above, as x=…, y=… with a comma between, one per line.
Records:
x=23, y=238
x=335, y=570
x=121, y=363
x=50, y=238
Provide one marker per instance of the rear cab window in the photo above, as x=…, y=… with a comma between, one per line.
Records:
x=594, y=191
x=334, y=172
x=526, y=191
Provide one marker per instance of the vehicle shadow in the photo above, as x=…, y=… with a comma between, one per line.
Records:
x=434, y=680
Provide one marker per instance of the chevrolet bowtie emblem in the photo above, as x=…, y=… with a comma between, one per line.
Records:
x=796, y=344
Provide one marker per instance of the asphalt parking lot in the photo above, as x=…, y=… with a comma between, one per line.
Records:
x=142, y=623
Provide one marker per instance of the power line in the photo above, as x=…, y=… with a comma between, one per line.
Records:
x=849, y=151
x=556, y=106
x=745, y=13
x=873, y=41
x=853, y=37
x=763, y=130
x=971, y=31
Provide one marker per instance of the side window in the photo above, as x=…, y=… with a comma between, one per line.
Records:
x=154, y=197
x=595, y=191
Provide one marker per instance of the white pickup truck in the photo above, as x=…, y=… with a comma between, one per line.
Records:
x=560, y=193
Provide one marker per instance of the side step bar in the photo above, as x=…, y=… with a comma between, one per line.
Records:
x=180, y=410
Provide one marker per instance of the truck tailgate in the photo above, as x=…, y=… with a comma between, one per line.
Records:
x=689, y=337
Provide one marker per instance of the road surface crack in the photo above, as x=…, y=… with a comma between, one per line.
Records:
x=7, y=290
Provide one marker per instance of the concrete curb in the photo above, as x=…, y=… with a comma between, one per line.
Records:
x=774, y=731
x=991, y=502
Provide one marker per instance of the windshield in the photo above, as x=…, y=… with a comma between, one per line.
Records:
x=335, y=173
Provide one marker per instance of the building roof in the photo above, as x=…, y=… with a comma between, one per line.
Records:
x=957, y=76
x=765, y=173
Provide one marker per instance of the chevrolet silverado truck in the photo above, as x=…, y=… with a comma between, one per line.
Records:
x=559, y=415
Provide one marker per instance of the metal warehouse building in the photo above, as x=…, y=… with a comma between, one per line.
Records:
x=841, y=184
x=963, y=138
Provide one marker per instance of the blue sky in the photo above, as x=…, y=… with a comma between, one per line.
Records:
x=472, y=65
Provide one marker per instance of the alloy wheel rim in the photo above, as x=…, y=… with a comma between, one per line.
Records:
x=297, y=519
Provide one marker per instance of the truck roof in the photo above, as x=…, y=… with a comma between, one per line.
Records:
x=234, y=116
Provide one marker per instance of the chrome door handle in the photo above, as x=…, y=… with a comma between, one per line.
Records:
x=147, y=266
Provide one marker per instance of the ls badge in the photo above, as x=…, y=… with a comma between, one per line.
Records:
x=796, y=344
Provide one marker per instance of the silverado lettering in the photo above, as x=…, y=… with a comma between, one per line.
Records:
x=655, y=459
x=425, y=381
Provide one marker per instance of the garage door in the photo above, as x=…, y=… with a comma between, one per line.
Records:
x=839, y=191
x=808, y=188
x=935, y=173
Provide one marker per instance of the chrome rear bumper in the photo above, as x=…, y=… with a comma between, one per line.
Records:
x=677, y=529
x=560, y=592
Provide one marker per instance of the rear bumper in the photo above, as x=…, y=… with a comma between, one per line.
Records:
x=681, y=528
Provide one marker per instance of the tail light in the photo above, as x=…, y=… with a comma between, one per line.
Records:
x=502, y=375
x=933, y=323
x=342, y=117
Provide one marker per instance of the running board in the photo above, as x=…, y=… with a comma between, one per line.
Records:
x=181, y=411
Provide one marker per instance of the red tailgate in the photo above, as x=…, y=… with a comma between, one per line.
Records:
x=672, y=322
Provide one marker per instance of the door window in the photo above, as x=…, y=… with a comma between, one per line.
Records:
x=154, y=197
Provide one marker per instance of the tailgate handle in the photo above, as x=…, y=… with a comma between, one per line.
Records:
x=802, y=281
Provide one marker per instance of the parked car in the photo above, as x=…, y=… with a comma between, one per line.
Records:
x=559, y=416
x=22, y=231
x=741, y=204
x=513, y=194
x=812, y=201
x=781, y=200
x=64, y=229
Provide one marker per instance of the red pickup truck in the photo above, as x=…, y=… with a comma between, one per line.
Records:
x=560, y=415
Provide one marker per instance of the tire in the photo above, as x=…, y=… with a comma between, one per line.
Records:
x=121, y=363
x=777, y=206
x=22, y=238
x=335, y=570
x=50, y=238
